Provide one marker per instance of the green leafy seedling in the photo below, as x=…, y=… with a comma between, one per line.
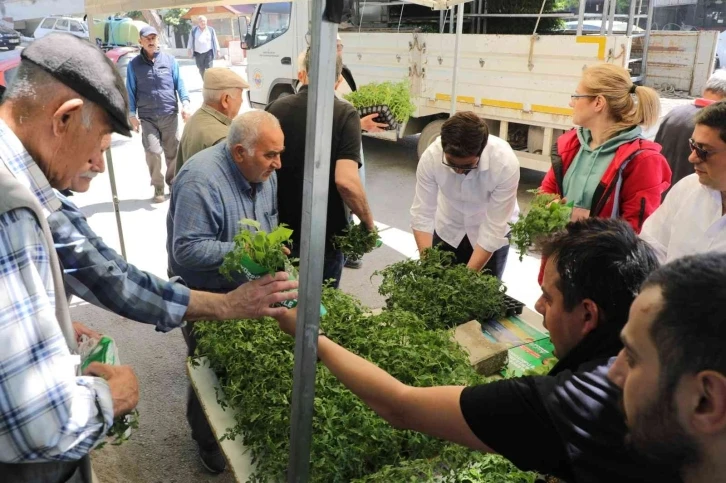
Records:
x=546, y=215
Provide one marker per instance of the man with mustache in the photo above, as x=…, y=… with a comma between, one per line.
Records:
x=214, y=190
x=673, y=368
x=691, y=218
x=155, y=89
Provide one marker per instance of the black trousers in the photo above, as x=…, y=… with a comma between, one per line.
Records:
x=204, y=61
x=201, y=431
x=463, y=252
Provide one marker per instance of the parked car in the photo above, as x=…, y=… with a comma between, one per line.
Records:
x=593, y=26
x=9, y=38
x=70, y=25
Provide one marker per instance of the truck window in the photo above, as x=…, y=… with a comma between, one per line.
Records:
x=76, y=26
x=273, y=20
x=62, y=24
x=48, y=23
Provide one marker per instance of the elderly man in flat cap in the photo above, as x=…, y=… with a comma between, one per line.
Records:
x=62, y=106
x=153, y=83
x=222, y=95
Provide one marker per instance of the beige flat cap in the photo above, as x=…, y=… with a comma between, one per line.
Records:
x=218, y=78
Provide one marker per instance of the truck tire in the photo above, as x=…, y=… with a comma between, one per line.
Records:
x=281, y=91
x=428, y=135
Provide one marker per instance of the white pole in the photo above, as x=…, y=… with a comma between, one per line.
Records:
x=457, y=49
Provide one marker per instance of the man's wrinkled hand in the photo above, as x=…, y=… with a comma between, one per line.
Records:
x=121, y=381
x=186, y=114
x=369, y=124
x=135, y=124
x=253, y=300
x=82, y=330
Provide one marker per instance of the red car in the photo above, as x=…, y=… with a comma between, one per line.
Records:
x=121, y=56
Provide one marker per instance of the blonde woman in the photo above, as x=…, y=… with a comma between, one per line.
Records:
x=605, y=166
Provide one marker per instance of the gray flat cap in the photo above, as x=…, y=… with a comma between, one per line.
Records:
x=83, y=67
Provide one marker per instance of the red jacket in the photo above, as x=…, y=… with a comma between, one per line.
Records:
x=632, y=185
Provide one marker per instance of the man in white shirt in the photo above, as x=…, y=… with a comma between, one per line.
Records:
x=691, y=219
x=466, y=193
x=203, y=45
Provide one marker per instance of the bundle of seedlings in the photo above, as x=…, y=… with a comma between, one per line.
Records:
x=546, y=215
x=258, y=253
x=356, y=241
x=442, y=293
x=392, y=102
x=254, y=361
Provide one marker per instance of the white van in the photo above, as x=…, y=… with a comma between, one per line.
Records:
x=61, y=24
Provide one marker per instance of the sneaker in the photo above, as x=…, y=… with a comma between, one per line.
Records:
x=159, y=195
x=353, y=263
x=213, y=460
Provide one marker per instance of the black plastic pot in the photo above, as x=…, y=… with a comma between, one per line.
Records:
x=384, y=115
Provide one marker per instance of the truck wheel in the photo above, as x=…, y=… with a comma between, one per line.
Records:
x=429, y=134
x=280, y=92
x=11, y=47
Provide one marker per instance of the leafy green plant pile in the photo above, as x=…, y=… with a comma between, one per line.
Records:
x=262, y=248
x=546, y=215
x=442, y=293
x=254, y=360
x=397, y=96
x=455, y=464
x=120, y=430
x=356, y=241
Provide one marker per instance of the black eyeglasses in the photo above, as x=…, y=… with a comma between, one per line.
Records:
x=701, y=153
x=466, y=168
x=581, y=96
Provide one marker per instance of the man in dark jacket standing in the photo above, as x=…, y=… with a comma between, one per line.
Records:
x=153, y=83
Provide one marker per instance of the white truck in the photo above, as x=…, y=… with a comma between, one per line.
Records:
x=520, y=84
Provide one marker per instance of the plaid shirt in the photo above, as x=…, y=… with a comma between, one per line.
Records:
x=47, y=413
x=97, y=274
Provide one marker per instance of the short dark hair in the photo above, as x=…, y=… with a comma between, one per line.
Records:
x=464, y=134
x=689, y=331
x=603, y=260
x=713, y=116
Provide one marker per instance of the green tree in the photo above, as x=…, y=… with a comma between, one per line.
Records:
x=173, y=17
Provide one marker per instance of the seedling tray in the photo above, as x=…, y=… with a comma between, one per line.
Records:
x=384, y=115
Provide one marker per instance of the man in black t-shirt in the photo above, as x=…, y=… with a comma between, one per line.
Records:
x=566, y=424
x=673, y=368
x=345, y=186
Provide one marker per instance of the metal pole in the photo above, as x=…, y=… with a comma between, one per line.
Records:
x=114, y=196
x=457, y=50
x=631, y=17
x=451, y=22
x=646, y=41
x=604, y=18
x=442, y=24
x=312, y=243
x=581, y=16
x=611, y=16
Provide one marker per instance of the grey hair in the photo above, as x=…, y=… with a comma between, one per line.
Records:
x=717, y=83
x=201, y=17
x=303, y=64
x=245, y=129
x=33, y=87
x=212, y=96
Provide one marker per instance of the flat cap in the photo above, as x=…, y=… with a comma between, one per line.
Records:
x=84, y=68
x=148, y=30
x=222, y=78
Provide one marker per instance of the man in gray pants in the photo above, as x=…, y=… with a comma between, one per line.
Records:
x=153, y=83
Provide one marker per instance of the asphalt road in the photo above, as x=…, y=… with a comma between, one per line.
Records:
x=161, y=450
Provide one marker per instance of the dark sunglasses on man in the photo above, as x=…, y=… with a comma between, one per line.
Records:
x=701, y=153
x=464, y=168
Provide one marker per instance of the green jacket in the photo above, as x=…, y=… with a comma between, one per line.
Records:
x=204, y=129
